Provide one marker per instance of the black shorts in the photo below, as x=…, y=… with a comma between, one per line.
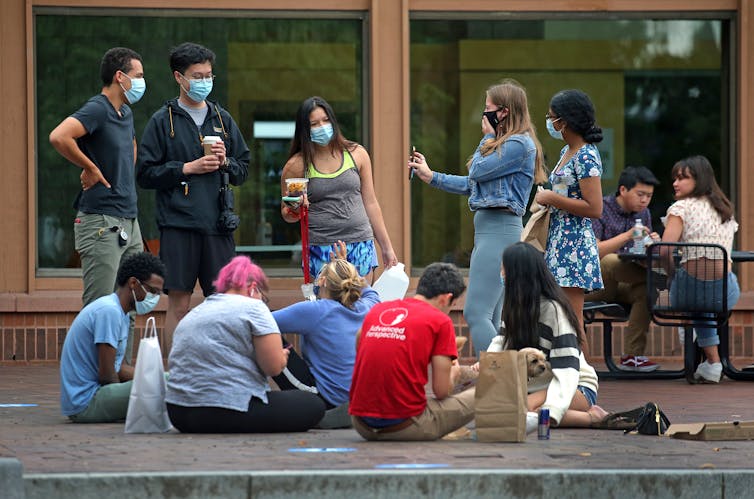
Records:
x=190, y=255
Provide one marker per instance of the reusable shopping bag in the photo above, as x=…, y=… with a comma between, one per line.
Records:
x=537, y=228
x=500, y=398
x=147, y=412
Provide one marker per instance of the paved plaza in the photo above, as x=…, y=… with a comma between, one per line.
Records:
x=65, y=456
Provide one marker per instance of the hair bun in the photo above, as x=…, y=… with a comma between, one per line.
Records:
x=593, y=135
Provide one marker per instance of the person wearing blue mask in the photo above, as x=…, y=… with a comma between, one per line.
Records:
x=340, y=193
x=187, y=181
x=99, y=139
x=95, y=383
x=572, y=253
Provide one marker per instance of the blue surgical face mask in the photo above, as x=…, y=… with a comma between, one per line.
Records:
x=138, y=87
x=555, y=134
x=198, y=89
x=147, y=304
x=322, y=135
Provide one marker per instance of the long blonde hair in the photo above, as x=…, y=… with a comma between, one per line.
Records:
x=511, y=95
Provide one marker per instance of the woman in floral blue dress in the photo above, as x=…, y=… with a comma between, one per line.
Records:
x=576, y=196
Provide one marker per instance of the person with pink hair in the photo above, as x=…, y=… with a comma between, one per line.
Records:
x=223, y=351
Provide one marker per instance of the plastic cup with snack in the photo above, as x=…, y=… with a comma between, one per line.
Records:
x=295, y=191
x=296, y=186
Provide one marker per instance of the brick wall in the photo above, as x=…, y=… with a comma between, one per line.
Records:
x=38, y=337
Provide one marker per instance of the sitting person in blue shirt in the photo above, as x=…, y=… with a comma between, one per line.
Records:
x=328, y=329
x=95, y=383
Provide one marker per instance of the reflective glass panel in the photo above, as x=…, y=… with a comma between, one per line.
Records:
x=264, y=68
x=660, y=89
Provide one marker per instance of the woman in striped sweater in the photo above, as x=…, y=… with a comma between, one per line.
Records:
x=537, y=314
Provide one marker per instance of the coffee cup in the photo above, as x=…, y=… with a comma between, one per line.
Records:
x=207, y=143
x=296, y=186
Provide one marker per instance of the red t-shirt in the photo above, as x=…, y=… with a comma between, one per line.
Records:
x=398, y=340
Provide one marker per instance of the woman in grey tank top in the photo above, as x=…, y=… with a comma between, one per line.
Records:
x=340, y=192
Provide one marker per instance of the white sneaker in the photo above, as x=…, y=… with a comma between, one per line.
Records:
x=532, y=422
x=709, y=373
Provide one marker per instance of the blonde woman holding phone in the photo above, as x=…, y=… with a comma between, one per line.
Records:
x=501, y=173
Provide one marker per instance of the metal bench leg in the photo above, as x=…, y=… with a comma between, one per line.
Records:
x=689, y=353
x=724, y=349
x=607, y=338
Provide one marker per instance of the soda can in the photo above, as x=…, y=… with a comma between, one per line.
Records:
x=543, y=428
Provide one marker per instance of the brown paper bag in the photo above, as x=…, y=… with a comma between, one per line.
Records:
x=500, y=399
x=537, y=229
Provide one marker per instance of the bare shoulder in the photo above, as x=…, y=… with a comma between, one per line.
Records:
x=294, y=167
x=360, y=155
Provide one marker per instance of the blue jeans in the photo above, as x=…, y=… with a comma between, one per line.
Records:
x=689, y=293
x=589, y=394
x=494, y=230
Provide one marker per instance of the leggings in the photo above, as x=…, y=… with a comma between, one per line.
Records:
x=299, y=370
x=494, y=230
x=288, y=411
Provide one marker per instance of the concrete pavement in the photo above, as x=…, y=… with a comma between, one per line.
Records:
x=61, y=459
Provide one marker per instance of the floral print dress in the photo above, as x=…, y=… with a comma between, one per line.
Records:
x=572, y=254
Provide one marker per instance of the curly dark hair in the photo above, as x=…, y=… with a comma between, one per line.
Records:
x=576, y=109
x=116, y=59
x=141, y=266
x=440, y=278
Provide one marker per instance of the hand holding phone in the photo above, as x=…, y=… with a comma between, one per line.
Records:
x=292, y=201
x=411, y=170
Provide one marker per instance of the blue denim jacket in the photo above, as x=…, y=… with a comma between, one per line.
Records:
x=503, y=178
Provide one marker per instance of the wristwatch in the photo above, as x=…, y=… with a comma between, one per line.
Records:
x=226, y=163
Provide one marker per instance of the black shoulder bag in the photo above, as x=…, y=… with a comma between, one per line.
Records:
x=651, y=421
x=228, y=221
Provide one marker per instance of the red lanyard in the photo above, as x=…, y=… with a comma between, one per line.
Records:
x=305, y=242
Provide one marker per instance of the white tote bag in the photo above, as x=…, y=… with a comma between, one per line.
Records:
x=147, y=412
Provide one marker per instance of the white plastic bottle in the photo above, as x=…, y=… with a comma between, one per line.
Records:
x=392, y=284
x=638, y=236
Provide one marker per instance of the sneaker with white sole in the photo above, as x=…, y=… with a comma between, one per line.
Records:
x=637, y=363
x=709, y=373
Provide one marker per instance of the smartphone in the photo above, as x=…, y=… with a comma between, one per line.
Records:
x=292, y=201
x=411, y=171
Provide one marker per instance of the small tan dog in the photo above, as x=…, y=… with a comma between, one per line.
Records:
x=536, y=362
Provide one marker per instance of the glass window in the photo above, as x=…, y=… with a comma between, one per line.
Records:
x=660, y=89
x=265, y=67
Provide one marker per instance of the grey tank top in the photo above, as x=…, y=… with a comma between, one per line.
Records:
x=336, y=210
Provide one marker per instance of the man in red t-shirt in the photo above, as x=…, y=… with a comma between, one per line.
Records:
x=397, y=342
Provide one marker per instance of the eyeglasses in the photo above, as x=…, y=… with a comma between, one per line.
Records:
x=262, y=295
x=199, y=76
x=150, y=289
x=549, y=116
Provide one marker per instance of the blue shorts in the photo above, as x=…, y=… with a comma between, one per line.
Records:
x=362, y=255
x=589, y=394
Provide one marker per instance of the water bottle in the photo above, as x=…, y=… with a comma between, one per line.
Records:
x=638, y=236
x=392, y=284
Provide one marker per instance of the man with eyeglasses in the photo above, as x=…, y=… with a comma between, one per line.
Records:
x=188, y=182
x=100, y=139
x=626, y=282
x=95, y=383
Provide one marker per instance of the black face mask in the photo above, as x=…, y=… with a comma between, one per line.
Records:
x=492, y=117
